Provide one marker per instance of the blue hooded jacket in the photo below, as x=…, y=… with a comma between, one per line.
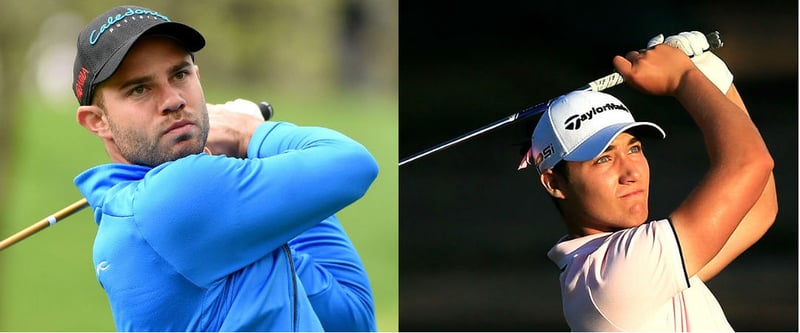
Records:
x=213, y=243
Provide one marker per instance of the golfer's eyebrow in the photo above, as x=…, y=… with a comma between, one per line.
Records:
x=147, y=78
x=135, y=82
x=631, y=142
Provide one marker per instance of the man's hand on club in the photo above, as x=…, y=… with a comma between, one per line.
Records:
x=696, y=46
x=230, y=127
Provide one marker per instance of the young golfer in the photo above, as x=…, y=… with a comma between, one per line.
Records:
x=619, y=270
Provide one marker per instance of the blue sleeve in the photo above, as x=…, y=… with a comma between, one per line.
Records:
x=334, y=278
x=217, y=214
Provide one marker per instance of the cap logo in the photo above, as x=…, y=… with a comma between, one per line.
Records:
x=113, y=20
x=79, y=83
x=573, y=122
x=544, y=154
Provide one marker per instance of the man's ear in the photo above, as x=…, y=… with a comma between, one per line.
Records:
x=93, y=119
x=553, y=183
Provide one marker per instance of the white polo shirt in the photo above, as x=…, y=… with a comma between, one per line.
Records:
x=633, y=280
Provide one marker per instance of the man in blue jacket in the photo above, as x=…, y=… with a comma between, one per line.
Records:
x=211, y=220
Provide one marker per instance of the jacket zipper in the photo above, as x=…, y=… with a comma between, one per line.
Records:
x=294, y=286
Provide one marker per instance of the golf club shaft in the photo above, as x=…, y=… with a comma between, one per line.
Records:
x=600, y=84
x=44, y=223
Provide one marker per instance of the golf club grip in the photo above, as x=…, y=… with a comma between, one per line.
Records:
x=600, y=84
x=613, y=79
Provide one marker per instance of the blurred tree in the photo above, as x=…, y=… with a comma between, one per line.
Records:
x=17, y=19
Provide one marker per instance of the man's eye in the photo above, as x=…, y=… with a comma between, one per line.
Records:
x=138, y=90
x=602, y=159
x=635, y=149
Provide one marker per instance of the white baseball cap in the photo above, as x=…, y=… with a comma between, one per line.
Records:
x=579, y=126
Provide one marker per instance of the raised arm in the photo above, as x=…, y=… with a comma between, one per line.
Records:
x=762, y=214
x=292, y=179
x=754, y=225
x=740, y=164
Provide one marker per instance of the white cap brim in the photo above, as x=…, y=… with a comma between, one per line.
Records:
x=598, y=142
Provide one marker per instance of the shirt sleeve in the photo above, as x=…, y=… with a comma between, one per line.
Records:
x=637, y=271
x=334, y=278
x=216, y=215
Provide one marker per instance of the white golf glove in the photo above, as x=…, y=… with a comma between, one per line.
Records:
x=695, y=45
x=243, y=106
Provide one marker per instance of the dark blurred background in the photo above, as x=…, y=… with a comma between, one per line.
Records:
x=474, y=232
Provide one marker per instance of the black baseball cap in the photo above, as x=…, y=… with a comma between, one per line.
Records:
x=103, y=44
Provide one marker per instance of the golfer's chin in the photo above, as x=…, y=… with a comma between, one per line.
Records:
x=186, y=147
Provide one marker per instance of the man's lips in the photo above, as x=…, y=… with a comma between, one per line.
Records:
x=179, y=126
x=632, y=194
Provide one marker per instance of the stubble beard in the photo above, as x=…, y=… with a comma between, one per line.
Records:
x=152, y=149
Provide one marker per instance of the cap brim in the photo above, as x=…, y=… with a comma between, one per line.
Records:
x=183, y=34
x=598, y=143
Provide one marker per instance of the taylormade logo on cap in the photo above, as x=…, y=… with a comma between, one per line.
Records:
x=574, y=122
x=578, y=127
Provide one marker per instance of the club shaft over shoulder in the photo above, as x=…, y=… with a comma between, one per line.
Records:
x=44, y=223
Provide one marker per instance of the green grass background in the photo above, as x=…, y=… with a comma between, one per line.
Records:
x=47, y=281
